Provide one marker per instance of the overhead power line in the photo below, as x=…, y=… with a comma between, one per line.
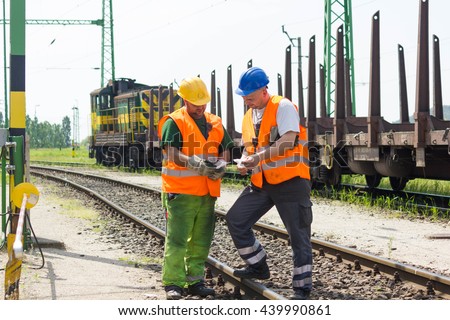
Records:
x=107, y=43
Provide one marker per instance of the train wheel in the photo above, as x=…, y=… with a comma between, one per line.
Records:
x=132, y=165
x=133, y=162
x=373, y=181
x=156, y=158
x=398, y=184
x=334, y=175
x=98, y=156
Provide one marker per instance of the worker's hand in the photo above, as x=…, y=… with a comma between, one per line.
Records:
x=242, y=170
x=202, y=166
x=218, y=173
x=249, y=162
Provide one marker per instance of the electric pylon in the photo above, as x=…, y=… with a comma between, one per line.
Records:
x=108, y=68
x=76, y=128
x=107, y=58
x=337, y=13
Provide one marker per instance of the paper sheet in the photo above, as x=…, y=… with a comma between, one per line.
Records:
x=220, y=163
x=237, y=161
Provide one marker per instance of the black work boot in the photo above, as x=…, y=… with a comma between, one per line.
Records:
x=173, y=292
x=254, y=271
x=199, y=289
x=300, y=294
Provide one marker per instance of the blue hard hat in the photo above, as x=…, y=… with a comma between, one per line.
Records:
x=251, y=80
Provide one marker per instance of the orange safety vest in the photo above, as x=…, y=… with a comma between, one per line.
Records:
x=177, y=179
x=294, y=162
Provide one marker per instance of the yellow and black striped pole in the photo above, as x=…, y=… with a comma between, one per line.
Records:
x=17, y=87
x=17, y=71
x=17, y=136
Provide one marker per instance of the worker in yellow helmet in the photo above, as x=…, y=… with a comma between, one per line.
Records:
x=196, y=150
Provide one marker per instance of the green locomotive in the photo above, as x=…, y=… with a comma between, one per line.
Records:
x=124, y=120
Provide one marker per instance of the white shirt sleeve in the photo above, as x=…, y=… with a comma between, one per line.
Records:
x=287, y=117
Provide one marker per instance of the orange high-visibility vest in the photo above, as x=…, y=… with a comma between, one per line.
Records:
x=177, y=179
x=294, y=162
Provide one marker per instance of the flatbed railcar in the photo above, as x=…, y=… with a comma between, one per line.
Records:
x=372, y=146
x=124, y=131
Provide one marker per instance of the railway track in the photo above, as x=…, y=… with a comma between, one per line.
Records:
x=340, y=273
x=216, y=271
x=419, y=201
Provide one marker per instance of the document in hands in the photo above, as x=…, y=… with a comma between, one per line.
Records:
x=238, y=161
x=220, y=163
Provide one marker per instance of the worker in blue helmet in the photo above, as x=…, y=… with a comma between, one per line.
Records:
x=252, y=80
x=276, y=152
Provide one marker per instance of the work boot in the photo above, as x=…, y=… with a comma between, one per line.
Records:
x=300, y=294
x=256, y=271
x=199, y=289
x=173, y=292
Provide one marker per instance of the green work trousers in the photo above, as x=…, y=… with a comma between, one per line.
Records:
x=189, y=232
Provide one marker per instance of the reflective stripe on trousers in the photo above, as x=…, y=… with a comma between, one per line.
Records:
x=302, y=277
x=252, y=254
x=249, y=250
x=304, y=284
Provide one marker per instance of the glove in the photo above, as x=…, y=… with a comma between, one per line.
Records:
x=218, y=173
x=203, y=167
x=250, y=162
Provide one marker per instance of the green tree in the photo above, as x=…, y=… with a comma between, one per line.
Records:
x=47, y=135
x=31, y=125
x=66, y=131
x=60, y=140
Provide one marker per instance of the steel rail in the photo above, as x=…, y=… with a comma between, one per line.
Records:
x=405, y=272
x=251, y=288
x=422, y=201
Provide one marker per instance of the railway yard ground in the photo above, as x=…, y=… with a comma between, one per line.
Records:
x=82, y=263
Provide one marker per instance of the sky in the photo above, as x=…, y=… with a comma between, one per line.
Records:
x=162, y=42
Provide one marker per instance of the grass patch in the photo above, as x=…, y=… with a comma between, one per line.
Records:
x=74, y=209
x=395, y=206
x=142, y=261
x=233, y=184
x=416, y=185
x=80, y=155
x=70, y=207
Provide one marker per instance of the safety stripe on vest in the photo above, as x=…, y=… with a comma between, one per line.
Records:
x=256, y=170
x=302, y=142
x=283, y=162
x=280, y=163
x=179, y=173
x=201, y=156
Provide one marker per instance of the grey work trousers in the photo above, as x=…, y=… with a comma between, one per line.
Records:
x=292, y=200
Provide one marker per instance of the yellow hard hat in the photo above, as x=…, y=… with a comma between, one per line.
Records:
x=194, y=90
